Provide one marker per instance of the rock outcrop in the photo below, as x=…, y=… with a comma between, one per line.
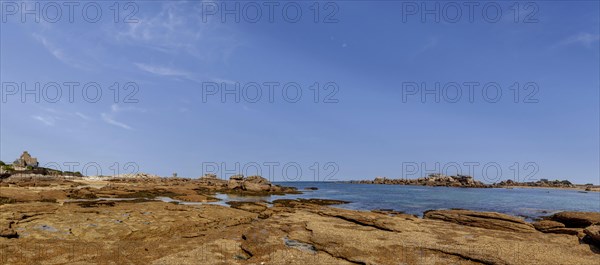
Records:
x=488, y=220
x=577, y=219
x=547, y=225
x=593, y=232
x=543, y=183
x=431, y=180
x=255, y=184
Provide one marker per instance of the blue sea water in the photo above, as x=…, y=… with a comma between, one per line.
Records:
x=526, y=202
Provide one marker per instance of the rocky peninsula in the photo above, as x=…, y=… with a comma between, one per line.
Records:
x=62, y=218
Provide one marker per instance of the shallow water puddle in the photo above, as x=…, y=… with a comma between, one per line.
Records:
x=300, y=245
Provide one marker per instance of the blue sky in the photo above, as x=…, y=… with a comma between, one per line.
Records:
x=367, y=51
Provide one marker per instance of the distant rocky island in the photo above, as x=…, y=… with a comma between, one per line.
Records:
x=464, y=181
x=431, y=180
x=545, y=183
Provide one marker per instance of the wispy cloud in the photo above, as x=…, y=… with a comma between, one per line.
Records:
x=116, y=108
x=110, y=120
x=58, y=53
x=585, y=39
x=226, y=81
x=83, y=116
x=51, y=116
x=177, y=28
x=109, y=117
x=47, y=120
x=162, y=71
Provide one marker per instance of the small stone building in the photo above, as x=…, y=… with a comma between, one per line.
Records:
x=26, y=160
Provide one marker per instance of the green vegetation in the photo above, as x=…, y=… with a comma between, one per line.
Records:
x=2, y=163
x=8, y=168
x=69, y=173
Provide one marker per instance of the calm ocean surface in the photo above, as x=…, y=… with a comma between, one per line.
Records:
x=529, y=203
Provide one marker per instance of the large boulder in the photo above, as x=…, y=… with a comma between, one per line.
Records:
x=546, y=225
x=249, y=186
x=553, y=227
x=237, y=177
x=488, y=220
x=577, y=219
x=252, y=183
x=257, y=180
x=234, y=184
x=594, y=233
x=256, y=183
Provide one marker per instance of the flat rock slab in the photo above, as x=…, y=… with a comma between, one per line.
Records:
x=545, y=225
x=577, y=219
x=488, y=220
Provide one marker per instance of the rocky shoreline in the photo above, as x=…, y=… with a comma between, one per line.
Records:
x=53, y=217
x=463, y=181
x=119, y=221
